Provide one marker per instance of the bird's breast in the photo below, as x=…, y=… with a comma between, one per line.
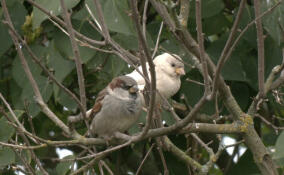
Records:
x=168, y=86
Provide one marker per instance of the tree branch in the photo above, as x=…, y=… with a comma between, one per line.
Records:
x=58, y=20
x=225, y=52
x=77, y=57
x=152, y=95
x=36, y=90
x=260, y=50
x=201, y=45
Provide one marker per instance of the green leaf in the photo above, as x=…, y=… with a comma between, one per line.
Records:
x=194, y=92
x=279, y=152
x=136, y=128
x=116, y=15
x=273, y=55
x=63, y=167
x=27, y=94
x=241, y=93
x=17, y=12
x=250, y=67
x=245, y=165
x=26, y=154
x=216, y=24
x=115, y=66
x=232, y=69
x=53, y=6
x=250, y=34
x=55, y=61
x=117, y=18
x=7, y=156
x=60, y=66
x=63, y=46
x=274, y=21
x=65, y=100
x=208, y=8
x=4, y=35
x=6, y=130
x=126, y=41
x=18, y=72
x=168, y=117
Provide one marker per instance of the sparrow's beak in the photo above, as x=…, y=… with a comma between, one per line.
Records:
x=133, y=89
x=180, y=71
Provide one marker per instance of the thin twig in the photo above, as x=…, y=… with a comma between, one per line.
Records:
x=268, y=123
x=208, y=149
x=21, y=133
x=166, y=170
x=144, y=159
x=22, y=147
x=33, y=83
x=101, y=20
x=93, y=17
x=107, y=167
x=200, y=37
x=45, y=69
x=145, y=19
x=247, y=27
x=158, y=39
x=260, y=48
x=225, y=52
x=78, y=62
x=29, y=168
x=135, y=16
x=193, y=81
x=62, y=23
x=19, y=124
x=99, y=156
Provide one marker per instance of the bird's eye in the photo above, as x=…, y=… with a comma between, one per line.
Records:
x=173, y=64
x=127, y=87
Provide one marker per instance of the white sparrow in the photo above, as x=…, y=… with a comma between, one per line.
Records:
x=168, y=71
x=117, y=107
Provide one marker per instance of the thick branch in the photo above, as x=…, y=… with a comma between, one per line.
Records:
x=251, y=140
x=182, y=155
x=184, y=13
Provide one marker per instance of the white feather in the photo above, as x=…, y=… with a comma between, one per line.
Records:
x=167, y=82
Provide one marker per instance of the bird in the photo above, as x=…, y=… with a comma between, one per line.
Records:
x=116, y=109
x=169, y=69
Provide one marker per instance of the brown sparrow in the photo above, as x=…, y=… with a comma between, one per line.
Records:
x=117, y=107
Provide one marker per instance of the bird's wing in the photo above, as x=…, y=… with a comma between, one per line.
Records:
x=138, y=78
x=98, y=104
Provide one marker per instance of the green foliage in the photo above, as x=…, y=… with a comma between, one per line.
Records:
x=7, y=156
x=279, y=153
x=209, y=8
x=63, y=167
x=52, y=7
x=274, y=22
x=6, y=130
x=18, y=13
x=245, y=165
